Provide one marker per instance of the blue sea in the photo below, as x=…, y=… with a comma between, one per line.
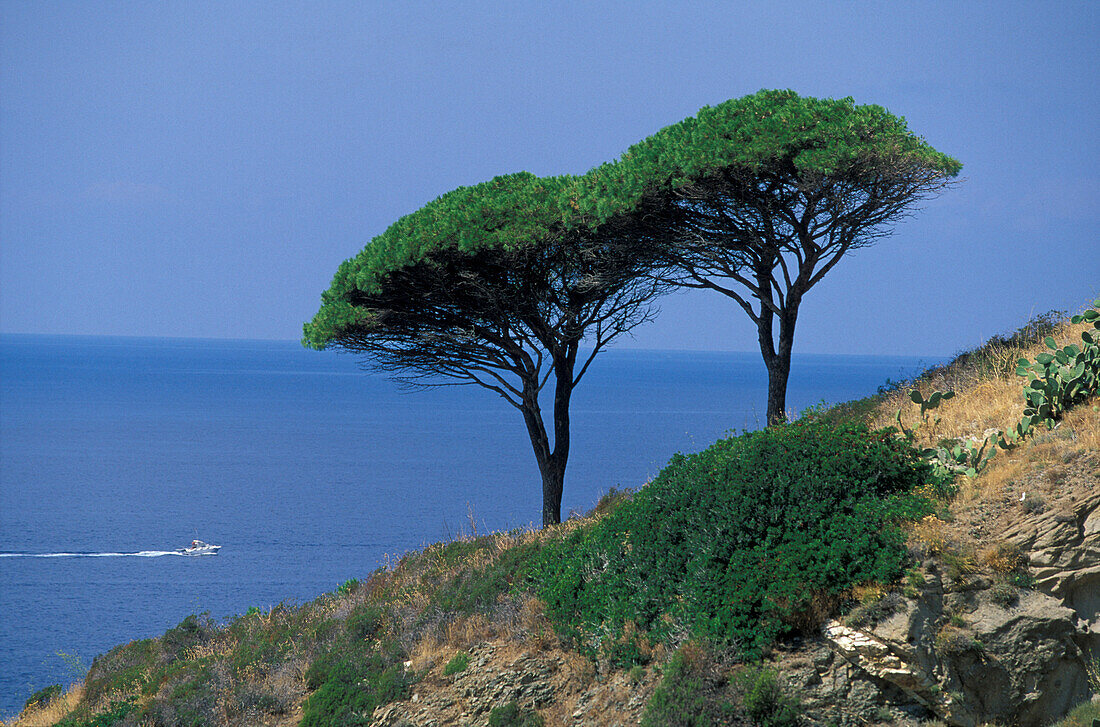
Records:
x=308, y=471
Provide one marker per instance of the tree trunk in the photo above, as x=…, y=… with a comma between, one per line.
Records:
x=553, y=478
x=552, y=462
x=553, y=482
x=778, y=372
x=778, y=358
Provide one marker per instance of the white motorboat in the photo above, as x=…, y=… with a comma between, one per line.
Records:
x=197, y=547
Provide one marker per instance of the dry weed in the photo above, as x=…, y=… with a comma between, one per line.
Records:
x=429, y=652
x=535, y=628
x=930, y=533
x=465, y=631
x=1002, y=558
x=50, y=714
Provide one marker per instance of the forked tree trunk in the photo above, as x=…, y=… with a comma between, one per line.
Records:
x=552, y=462
x=777, y=358
x=778, y=373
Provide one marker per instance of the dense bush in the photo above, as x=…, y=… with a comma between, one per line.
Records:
x=353, y=687
x=736, y=542
x=122, y=669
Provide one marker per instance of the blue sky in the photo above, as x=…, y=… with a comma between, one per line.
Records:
x=201, y=168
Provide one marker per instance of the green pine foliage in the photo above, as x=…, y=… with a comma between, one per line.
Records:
x=508, y=213
x=774, y=131
x=769, y=132
x=735, y=542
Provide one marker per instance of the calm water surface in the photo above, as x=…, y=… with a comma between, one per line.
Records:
x=306, y=470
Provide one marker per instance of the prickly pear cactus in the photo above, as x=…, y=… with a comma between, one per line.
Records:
x=1061, y=377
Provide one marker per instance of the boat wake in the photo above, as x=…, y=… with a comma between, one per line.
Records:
x=139, y=554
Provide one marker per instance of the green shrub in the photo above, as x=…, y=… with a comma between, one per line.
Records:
x=470, y=589
x=122, y=669
x=737, y=541
x=683, y=698
x=43, y=697
x=349, y=586
x=353, y=686
x=114, y=714
x=1083, y=715
x=356, y=672
x=365, y=621
x=193, y=630
x=263, y=640
x=512, y=715
x=459, y=663
x=764, y=700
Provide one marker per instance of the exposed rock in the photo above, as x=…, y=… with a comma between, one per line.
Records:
x=559, y=685
x=1063, y=546
x=971, y=660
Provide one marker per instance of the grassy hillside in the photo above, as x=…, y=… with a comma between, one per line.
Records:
x=675, y=591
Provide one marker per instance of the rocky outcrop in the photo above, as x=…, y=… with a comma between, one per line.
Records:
x=970, y=661
x=972, y=651
x=1063, y=547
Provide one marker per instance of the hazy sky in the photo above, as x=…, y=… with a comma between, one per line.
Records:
x=201, y=168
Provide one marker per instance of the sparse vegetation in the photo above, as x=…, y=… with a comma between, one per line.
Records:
x=512, y=715
x=43, y=697
x=457, y=664
x=1083, y=715
x=952, y=641
x=1004, y=595
x=875, y=609
x=689, y=694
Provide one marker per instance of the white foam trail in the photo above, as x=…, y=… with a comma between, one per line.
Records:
x=139, y=554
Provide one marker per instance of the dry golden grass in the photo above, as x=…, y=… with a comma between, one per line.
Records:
x=52, y=713
x=1002, y=558
x=983, y=399
x=988, y=395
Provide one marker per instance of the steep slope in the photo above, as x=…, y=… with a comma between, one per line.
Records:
x=996, y=618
